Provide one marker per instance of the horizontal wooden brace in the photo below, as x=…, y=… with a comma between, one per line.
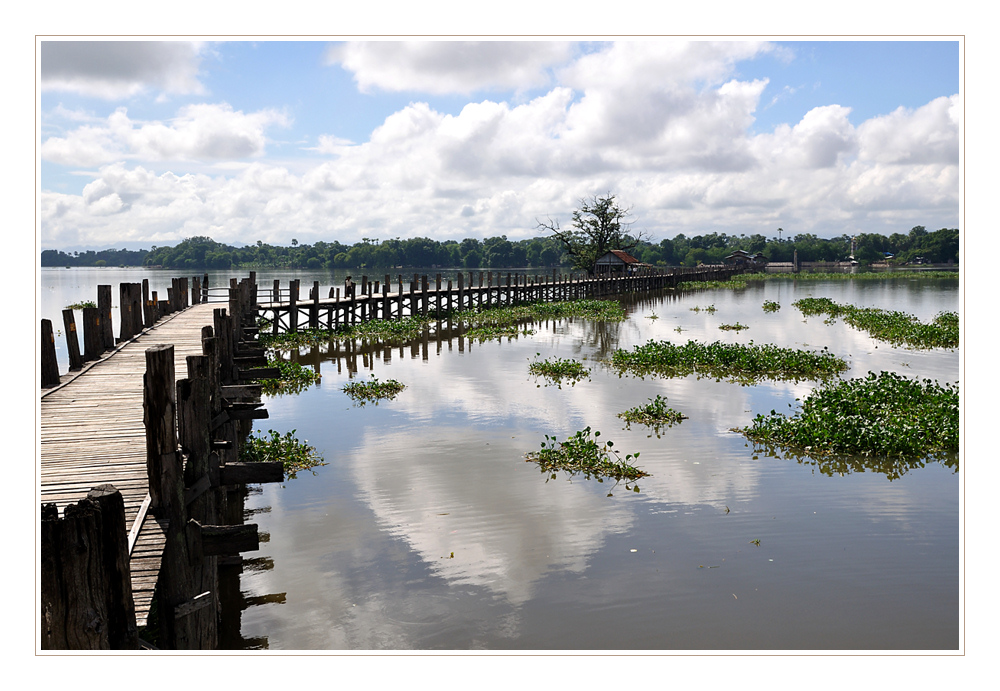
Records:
x=193, y=605
x=217, y=540
x=249, y=473
x=260, y=373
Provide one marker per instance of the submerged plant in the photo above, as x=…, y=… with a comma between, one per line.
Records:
x=293, y=454
x=733, y=361
x=881, y=414
x=581, y=453
x=655, y=413
x=373, y=390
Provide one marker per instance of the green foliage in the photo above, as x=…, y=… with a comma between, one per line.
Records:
x=81, y=305
x=582, y=454
x=746, y=364
x=373, y=390
x=896, y=328
x=294, y=378
x=655, y=413
x=294, y=455
x=733, y=327
x=882, y=414
x=502, y=322
x=599, y=226
x=710, y=309
x=557, y=369
x=771, y=306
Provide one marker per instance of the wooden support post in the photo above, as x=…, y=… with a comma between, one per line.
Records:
x=104, y=307
x=314, y=307
x=50, y=365
x=147, y=313
x=293, y=309
x=162, y=461
x=93, y=336
x=72, y=341
x=86, y=589
x=125, y=306
x=195, y=290
x=204, y=288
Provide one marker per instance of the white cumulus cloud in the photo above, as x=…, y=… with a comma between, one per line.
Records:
x=443, y=67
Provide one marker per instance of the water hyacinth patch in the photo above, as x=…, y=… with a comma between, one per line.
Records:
x=294, y=378
x=655, y=413
x=770, y=306
x=881, y=414
x=895, y=328
x=293, y=454
x=733, y=327
x=581, y=453
x=373, y=390
x=557, y=369
x=745, y=364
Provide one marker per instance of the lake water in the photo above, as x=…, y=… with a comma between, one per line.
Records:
x=427, y=530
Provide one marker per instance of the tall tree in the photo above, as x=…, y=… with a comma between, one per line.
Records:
x=599, y=226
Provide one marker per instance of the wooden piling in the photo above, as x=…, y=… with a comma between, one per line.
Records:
x=72, y=341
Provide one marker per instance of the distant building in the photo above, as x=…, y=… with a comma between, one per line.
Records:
x=617, y=262
x=740, y=257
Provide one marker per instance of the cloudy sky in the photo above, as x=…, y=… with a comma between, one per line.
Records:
x=144, y=143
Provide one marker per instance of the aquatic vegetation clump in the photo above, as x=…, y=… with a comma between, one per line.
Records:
x=400, y=329
x=293, y=379
x=557, y=369
x=882, y=414
x=856, y=276
x=895, y=328
x=373, y=390
x=771, y=306
x=733, y=327
x=735, y=283
x=294, y=455
x=81, y=305
x=655, y=413
x=581, y=453
x=491, y=332
x=711, y=309
x=746, y=364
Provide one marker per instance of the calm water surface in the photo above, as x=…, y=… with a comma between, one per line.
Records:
x=426, y=530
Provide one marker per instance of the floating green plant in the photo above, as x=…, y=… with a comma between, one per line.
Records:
x=771, y=306
x=373, y=390
x=557, y=369
x=733, y=361
x=655, y=413
x=711, y=309
x=81, y=305
x=581, y=453
x=734, y=283
x=293, y=454
x=881, y=414
x=733, y=327
x=895, y=328
x=293, y=379
x=491, y=332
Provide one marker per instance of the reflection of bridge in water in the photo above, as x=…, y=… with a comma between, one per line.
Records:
x=357, y=354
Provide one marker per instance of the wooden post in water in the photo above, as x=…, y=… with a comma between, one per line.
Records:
x=293, y=310
x=72, y=341
x=104, y=307
x=50, y=365
x=314, y=307
x=204, y=288
x=195, y=290
x=125, y=306
x=93, y=336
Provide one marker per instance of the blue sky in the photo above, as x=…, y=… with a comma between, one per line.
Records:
x=146, y=143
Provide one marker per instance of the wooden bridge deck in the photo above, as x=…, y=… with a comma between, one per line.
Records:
x=92, y=433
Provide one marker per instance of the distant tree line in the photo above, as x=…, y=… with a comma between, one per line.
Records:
x=939, y=246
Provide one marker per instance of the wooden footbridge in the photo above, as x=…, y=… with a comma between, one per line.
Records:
x=139, y=441
x=142, y=464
